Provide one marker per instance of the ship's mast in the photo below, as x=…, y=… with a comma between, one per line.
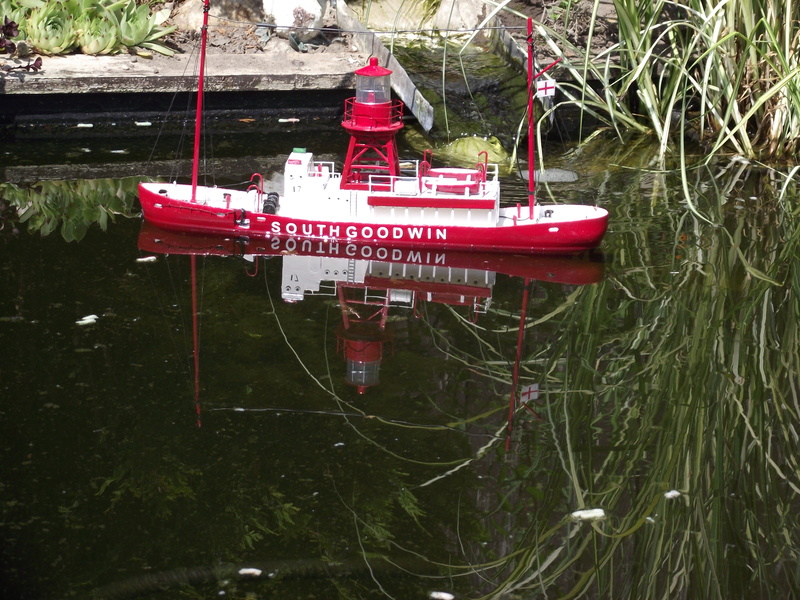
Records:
x=532, y=92
x=199, y=110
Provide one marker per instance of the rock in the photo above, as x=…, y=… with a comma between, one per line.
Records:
x=391, y=15
x=464, y=14
x=303, y=18
x=468, y=148
x=23, y=49
x=189, y=15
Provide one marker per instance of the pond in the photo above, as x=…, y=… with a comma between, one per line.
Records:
x=180, y=420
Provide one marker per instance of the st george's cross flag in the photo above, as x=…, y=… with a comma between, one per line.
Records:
x=529, y=392
x=545, y=87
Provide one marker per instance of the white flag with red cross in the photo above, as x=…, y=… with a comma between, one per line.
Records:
x=529, y=393
x=545, y=88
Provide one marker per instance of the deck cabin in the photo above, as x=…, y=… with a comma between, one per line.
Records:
x=419, y=195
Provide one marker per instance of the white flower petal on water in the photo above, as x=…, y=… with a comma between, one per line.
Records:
x=87, y=320
x=251, y=572
x=589, y=514
x=672, y=494
x=146, y=259
x=442, y=596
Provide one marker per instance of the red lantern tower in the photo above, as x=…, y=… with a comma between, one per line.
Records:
x=361, y=337
x=372, y=119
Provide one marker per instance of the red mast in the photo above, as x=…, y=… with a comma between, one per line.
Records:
x=199, y=111
x=531, y=124
x=532, y=118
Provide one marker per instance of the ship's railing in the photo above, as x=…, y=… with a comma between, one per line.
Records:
x=319, y=168
x=382, y=116
x=472, y=185
x=393, y=184
x=492, y=171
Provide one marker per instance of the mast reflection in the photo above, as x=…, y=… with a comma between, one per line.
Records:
x=368, y=281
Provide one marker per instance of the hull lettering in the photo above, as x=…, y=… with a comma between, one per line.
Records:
x=356, y=232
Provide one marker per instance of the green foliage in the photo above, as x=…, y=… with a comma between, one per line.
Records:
x=50, y=29
x=104, y=27
x=160, y=484
x=74, y=205
x=97, y=35
x=271, y=515
x=668, y=397
x=724, y=72
x=410, y=504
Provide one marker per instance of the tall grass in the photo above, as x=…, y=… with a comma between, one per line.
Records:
x=677, y=374
x=721, y=71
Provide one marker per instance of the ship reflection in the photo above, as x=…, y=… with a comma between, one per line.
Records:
x=369, y=281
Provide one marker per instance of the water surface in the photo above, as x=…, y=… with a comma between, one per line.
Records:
x=667, y=397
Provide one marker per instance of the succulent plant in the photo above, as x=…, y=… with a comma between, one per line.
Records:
x=139, y=28
x=95, y=26
x=97, y=35
x=8, y=31
x=14, y=10
x=50, y=29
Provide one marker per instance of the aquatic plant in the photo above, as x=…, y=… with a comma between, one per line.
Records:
x=722, y=72
x=668, y=399
x=73, y=205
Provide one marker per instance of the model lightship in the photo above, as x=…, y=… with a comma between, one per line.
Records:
x=376, y=198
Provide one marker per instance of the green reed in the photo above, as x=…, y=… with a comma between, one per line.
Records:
x=724, y=72
x=678, y=373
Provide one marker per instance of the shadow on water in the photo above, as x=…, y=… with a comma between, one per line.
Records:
x=661, y=394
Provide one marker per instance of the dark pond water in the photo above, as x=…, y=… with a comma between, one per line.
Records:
x=666, y=370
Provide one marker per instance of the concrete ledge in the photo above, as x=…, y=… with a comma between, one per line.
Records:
x=79, y=73
x=274, y=70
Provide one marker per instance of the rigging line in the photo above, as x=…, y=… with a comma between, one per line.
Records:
x=162, y=308
x=325, y=345
x=169, y=111
x=186, y=343
x=373, y=31
x=282, y=331
x=179, y=151
x=329, y=413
